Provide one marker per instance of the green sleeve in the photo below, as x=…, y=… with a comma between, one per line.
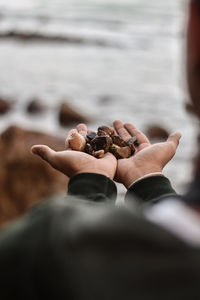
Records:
x=30, y=248
x=20, y=252
x=93, y=187
x=150, y=189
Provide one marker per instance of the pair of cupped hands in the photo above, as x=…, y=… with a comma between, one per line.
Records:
x=147, y=159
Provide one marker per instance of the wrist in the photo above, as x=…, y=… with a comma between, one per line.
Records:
x=146, y=176
x=95, y=187
x=133, y=177
x=150, y=189
x=95, y=171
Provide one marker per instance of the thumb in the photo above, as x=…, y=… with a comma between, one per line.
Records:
x=44, y=152
x=174, y=139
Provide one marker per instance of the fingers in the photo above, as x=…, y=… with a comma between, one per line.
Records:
x=121, y=130
x=82, y=129
x=127, y=130
x=44, y=152
x=133, y=131
x=174, y=138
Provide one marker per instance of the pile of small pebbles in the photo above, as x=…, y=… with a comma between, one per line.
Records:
x=103, y=141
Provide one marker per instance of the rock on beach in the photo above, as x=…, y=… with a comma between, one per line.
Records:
x=24, y=178
x=35, y=107
x=5, y=106
x=68, y=115
x=157, y=132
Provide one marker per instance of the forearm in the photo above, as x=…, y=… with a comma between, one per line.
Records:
x=91, y=186
x=150, y=190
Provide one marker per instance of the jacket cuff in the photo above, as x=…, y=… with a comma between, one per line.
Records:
x=150, y=189
x=92, y=186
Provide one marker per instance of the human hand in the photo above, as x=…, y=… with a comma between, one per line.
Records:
x=72, y=162
x=147, y=159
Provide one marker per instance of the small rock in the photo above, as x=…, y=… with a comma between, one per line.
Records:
x=99, y=154
x=105, y=140
x=132, y=143
x=113, y=148
x=117, y=140
x=77, y=142
x=124, y=152
x=101, y=143
x=91, y=135
x=102, y=133
x=88, y=149
x=68, y=116
x=108, y=130
x=157, y=132
x=5, y=106
x=35, y=107
x=132, y=140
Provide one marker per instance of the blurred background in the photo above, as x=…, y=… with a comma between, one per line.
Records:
x=62, y=62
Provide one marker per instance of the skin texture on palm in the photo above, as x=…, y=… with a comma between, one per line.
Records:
x=147, y=159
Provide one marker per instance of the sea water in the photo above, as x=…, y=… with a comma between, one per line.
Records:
x=129, y=66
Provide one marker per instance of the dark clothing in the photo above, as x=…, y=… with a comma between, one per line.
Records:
x=86, y=248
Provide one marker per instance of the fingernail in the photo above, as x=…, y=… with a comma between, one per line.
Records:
x=34, y=150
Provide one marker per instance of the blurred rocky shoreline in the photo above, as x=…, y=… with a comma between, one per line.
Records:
x=24, y=178
x=23, y=36
x=65, y=62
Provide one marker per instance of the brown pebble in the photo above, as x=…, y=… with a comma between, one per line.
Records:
x=99, y=154
x=77, y=142
x=106, y=129
x=117, y=140
x=91, y=135
x=101, y=143
x=102, y=133
x=124, y=152
x=132, y=143
x=88, y=149
x=105, y=140
x=113, y=147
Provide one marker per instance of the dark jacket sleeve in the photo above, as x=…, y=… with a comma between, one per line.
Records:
x=93, y=187
x=29, y=246
x=150, y=190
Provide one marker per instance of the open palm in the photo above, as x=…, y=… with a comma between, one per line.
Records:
x=72, y=162
x=147, y=159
